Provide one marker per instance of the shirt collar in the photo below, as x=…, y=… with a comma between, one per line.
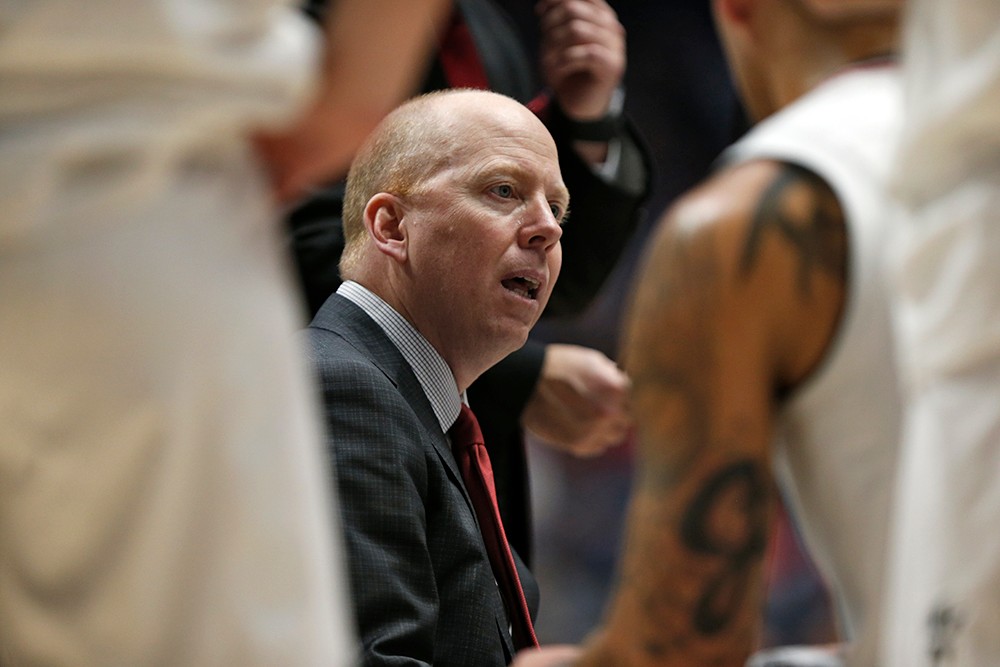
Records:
x=432, y=371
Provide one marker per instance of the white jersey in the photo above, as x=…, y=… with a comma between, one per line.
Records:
x=943, y=606
x=138, y=84
x=836, y=450
x=163, y=496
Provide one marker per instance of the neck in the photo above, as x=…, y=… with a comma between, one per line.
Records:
x=802, y=51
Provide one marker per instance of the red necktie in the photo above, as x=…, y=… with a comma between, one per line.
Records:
x=474, y=462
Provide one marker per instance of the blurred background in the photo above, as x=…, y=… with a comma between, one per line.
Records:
x=679, y=95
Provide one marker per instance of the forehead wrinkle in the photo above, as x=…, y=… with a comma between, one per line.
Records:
x=515, y=157
x=501, y=165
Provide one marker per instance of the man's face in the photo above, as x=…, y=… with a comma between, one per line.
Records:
x=484, y=235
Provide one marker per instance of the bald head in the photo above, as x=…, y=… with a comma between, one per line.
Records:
x=417, y=140
x=453, y=217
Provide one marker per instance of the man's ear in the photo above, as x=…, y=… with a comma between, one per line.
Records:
x=384, y=221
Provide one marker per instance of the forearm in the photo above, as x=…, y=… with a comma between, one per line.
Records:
x=353, y=60
x=319, y=145
x=690, y=587
x=582, y=60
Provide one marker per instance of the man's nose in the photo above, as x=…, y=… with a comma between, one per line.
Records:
x=540, y=228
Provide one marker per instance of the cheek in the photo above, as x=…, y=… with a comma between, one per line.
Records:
x=476, y=248
x=555, y=261
x=462, y=262
x=466, y=246
x=461, y=252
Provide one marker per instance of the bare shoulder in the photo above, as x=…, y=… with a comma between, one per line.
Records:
x=746, y=206
x=756, y=255
x=738, y=294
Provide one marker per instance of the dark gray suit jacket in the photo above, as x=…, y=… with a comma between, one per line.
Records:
x=422, y=587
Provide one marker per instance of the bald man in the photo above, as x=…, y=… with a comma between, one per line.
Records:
x=760, y=349
x=452, y=220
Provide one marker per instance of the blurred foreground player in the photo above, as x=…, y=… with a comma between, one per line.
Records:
x=760, y=349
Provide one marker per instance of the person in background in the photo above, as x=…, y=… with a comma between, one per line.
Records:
x=452, y=216
x=943, y=606
x=162, y=489
x=760, y=348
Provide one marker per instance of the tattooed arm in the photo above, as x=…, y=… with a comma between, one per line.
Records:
x=736, y=303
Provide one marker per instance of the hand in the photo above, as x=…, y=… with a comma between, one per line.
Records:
x=580, y=404
x=360, y=82
x=582, y=55
x=316, y=150
x=549, y=656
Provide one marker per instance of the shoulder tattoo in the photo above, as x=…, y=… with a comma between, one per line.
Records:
x=800, y=210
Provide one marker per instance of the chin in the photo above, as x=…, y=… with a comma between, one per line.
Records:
x=508, y=338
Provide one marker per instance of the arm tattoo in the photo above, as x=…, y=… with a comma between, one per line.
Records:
x=801, y=209
x=723, y=595
x=699, y=519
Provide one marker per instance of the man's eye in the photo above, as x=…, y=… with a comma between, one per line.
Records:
x=556, y=210
x=504, y=190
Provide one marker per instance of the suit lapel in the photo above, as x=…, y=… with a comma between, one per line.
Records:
x=347, y=320
x=350, y=322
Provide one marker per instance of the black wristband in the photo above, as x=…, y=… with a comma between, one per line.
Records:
x=599, y=129
x=606, y=128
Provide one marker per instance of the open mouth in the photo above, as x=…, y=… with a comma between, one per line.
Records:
x=524, y=287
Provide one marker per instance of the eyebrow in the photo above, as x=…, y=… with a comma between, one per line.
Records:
x=507, y=166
